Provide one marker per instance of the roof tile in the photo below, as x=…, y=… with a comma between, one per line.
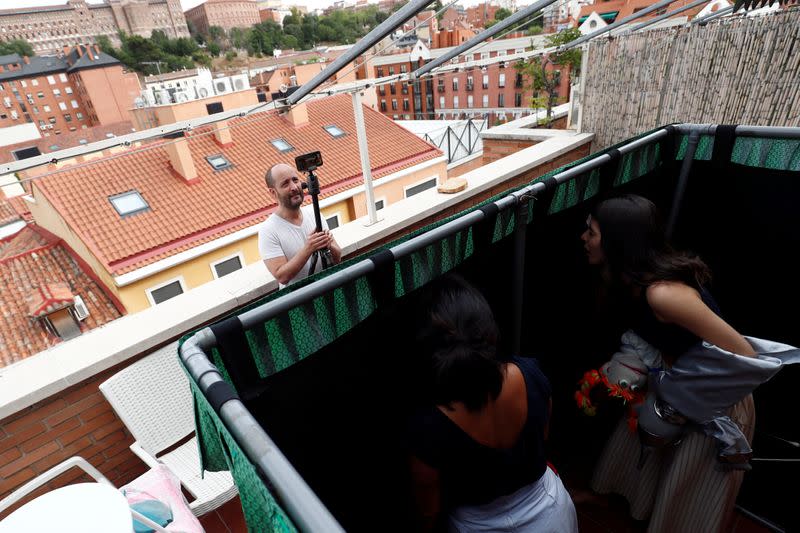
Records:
x=181, y=215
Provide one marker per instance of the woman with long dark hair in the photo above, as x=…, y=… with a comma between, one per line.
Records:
x=478, y=460
x=668, y=304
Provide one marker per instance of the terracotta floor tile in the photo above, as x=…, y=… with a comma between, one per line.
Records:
x=212, y=523
x=231, y=513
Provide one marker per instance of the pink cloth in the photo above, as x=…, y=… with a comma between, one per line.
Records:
x=161, y=484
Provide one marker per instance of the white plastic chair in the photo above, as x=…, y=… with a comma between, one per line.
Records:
x=153, y=400
x=78, y=462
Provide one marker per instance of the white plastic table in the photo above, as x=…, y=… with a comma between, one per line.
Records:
x=78, y=508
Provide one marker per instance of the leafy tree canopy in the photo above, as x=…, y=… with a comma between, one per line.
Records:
x=16, y=46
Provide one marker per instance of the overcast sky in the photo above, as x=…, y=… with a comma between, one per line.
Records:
x=311, y=4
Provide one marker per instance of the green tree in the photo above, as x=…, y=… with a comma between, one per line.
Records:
x=213, y=49
x=543, y=72
x=230, y=55
x=17, y=46
x=501, y=14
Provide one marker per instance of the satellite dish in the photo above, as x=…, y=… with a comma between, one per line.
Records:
x=283, y=88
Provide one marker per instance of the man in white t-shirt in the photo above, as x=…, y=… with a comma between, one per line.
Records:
x=288, y=238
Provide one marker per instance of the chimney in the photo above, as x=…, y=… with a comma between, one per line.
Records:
x=222, y=133
x=65, y=49
x=96, y=49
x=298, y=115
x=180, y=157
x=26, y=60
x=88, y=52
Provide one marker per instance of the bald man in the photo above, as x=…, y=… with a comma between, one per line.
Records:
x=288, y=238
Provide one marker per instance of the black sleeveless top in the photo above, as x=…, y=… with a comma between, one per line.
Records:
x=670, y=339
x=474, y=474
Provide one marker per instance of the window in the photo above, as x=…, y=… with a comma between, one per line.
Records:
x=165, y=291
x=52, y=120
x=51, y=80
x=429, y=183
x=469, y=83
x=455, y=84
x=225, y=266
x=455, y=102
x=40, y=94
x=392, y=89
x=440, y=85
x=405, y=104
x=46, y=108
x=380, y=204
x=79, y=115
x=25, y=153
x=333, y=222
x=404, y=88
x=57, y=93
x=484, y=55
x=403, y=69
x=68, y=89
x=394, y=105
x=485, y=81
x=380, y=72
x=282, y=145
x=62, y=106
x=67, y=117
x=62, y=77
x=501, y=53
x=74, y=104
x=218, y=162
x=518, y=100
x=391, y=71
x=519, y=50
x=485, y=100
x=501, y=100
x=470, y=102
x=128, y=203
x=383, y=106
x=501, y=81
x=54, y=147
x=334, y=131
x=441, y=102
x=35, y=82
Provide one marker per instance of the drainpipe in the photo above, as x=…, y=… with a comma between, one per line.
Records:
x=683, y=178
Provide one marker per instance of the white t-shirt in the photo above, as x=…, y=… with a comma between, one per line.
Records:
x=277, y=237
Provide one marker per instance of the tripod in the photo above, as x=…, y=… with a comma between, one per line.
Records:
x=324, y=255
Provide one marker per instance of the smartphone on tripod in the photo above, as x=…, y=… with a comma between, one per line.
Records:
x=308, y=163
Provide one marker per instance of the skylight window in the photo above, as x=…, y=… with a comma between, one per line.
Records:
x=218, y=162
x=334, y=131
x=282, y=145
x=128, y=203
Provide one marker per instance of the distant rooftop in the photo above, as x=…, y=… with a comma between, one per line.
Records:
x=80, y=57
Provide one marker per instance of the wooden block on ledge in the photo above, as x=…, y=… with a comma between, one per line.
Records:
x=452, y=185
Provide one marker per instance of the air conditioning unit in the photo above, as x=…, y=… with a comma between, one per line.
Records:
x=81, y=311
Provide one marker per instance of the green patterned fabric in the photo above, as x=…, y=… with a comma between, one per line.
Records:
x=220, y=451
x=774, y=154
x=705, y=146
x=284, y=340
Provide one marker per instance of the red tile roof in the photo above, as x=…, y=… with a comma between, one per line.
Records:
x=182, y=216
x=7, y=212
x=30, y=260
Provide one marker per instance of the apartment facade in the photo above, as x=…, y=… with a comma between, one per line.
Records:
x=496, y=90
x=613, y=10
x=226, y=14
x=49, y=28
x=83, y=88
x=479, y=15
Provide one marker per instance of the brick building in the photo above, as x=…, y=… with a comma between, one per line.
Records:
x=50, y=28
x=479, y=15
x=613, y=10
x=226, y=14
x=496, y=91
x=82, y=88
x=453, y=17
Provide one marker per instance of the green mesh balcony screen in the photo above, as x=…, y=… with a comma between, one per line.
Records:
x=282, y=341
